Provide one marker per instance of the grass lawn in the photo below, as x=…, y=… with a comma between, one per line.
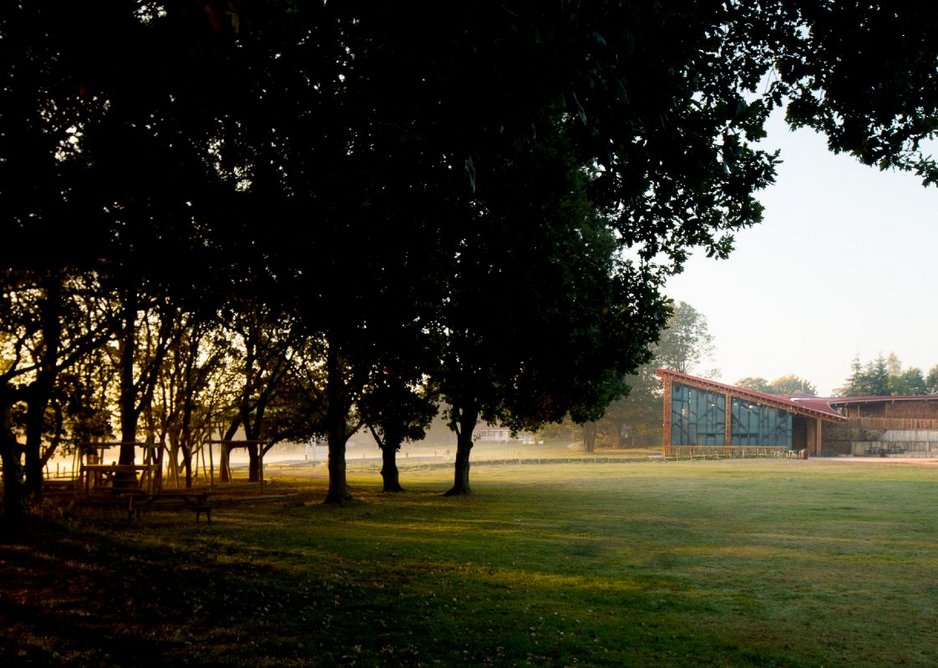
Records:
x=755, y=562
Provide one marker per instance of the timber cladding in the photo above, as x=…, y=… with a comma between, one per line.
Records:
x=913, y=409
x=905, y=426
x=912, y=437
x=893, y=408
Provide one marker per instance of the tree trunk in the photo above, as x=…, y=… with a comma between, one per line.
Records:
x=338, y=484
x=185, y=431
x=158, y=473
x=128, y=394
x=389, y=472
x=35, y=414
x=224, y=463
x=187, y=464
x=224, y=454
x=127, y=398
x=136, y=396
x=41, y=389
x=465, y=426
x=337, y=410
x=252, y=432
x=254, y=463
x=14, y=487
x=589, y=437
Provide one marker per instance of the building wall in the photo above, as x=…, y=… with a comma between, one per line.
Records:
x=894, y=408
x=799, y=436
x=915, y=436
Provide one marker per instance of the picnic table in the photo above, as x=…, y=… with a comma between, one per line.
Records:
x=100, y=490
x=197, y=500
x=100, y=477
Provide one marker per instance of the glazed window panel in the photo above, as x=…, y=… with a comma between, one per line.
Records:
x=756, y=424
x=698, y=417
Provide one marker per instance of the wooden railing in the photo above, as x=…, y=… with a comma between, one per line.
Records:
x=723, y=451
x=900, y=424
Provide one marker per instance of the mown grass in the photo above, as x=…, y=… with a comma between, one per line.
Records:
x=783, y=563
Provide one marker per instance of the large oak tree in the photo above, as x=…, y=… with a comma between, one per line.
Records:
x=549, y=162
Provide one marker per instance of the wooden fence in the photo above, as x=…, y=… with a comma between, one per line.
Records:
x=723, y=451
x=897, y=424
x=914, y=437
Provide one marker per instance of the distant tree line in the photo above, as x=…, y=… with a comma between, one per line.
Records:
x=787, y=385
x=881, y=376
x=885, y=376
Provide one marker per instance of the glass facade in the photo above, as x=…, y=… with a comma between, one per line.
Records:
x=698, y=417
x=755, y=424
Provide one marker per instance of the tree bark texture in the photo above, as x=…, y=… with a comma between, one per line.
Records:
x=338, y=484
x=465, y=426
x=41, y=389
x=224, y=462
x=127, y=400
x=589, y=437
x=254, y=463
x=337, y=408
x=187, y=465
x=390, y=474
x=14, y=487
x=224, y=455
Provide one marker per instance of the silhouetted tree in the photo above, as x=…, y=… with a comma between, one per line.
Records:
x=510, y=145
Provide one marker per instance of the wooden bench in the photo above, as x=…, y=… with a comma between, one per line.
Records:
x=135, y=502
x=197, y=500
x=118, y=501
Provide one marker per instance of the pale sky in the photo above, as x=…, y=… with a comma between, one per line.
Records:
x=843, y=264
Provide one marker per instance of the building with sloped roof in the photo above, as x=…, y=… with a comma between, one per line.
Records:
x=884, y=426
x=705, y=418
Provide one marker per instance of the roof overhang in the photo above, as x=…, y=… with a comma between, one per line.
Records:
x=814, y=407
x=849, y=401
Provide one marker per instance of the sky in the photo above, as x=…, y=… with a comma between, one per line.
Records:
x=844, y=264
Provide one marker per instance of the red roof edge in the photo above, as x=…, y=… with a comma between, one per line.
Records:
x=840, y=401
x=810, y=406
